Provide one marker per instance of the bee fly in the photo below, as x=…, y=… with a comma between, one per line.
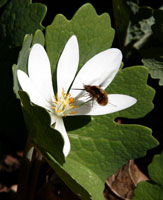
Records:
x=97, y=93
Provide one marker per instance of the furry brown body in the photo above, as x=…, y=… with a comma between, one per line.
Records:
x=97, y=93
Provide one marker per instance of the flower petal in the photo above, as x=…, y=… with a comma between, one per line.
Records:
x=99, y=70
x=53, y=117
x=30, y=89
x=67, y=65
x=117, y=102
x=59, y=126
x=39, y=71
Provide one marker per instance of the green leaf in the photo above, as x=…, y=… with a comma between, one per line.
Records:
x=131, y=81
x=153, y=56
x=102, y=146
x=23, y=56
x=44, y=137
x=71, y=182
x=94, y=34
x=155, y=169
x=149, y=190
x=38, y=38
x=121, y=18
x=3, y=2
x=19, y=18
x=153, y=60
x=22, y=62
x=157, y=27
x=139, y=29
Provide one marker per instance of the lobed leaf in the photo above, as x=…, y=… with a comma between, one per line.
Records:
x=153, y=60
x=149, y=190
x=44, y=137
x=20, y=18
x=94, y=34
x=22, y=62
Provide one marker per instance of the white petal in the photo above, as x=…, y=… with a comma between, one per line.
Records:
x=117, y=102
x=53, y=117
x=39, y=71
x=67, y=65
x=59, y=126
x=30, y=89
x=99, y=70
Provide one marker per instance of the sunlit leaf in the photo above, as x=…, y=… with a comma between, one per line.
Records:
x=94, y=33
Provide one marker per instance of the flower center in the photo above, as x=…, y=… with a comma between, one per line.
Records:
x=63, y=105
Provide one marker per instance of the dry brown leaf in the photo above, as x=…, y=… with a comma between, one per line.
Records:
x=124, y=181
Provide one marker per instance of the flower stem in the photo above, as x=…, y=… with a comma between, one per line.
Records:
x=29, y=173
x=34, y=176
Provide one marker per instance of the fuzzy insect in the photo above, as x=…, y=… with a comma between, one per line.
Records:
x=97, y=93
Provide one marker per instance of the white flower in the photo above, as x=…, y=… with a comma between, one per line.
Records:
x=99, y=71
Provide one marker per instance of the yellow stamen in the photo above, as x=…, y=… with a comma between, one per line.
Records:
x=71, y=100
x=63, y=104
x=58, y=111
x=73, y=112
x=53, y=107
x=63, y=94
x=75, y=106
x=57, y=97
